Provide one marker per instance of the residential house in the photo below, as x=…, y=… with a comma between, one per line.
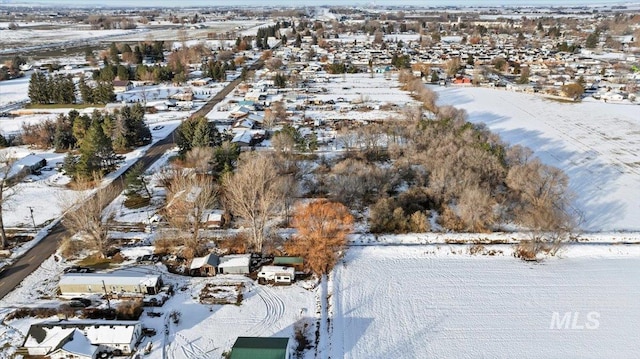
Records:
x=77, y=346
x=81, y=339
x=122, y=86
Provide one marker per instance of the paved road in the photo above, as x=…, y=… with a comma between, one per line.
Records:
x=11, y=277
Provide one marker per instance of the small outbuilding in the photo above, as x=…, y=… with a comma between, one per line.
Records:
x=260, y=348
x=206, y=266
x=295, y=262
x=235, y=264
x=27, y=165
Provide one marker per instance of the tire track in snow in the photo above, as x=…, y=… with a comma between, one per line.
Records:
x=274, y=311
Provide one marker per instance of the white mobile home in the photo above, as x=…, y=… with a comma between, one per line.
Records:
x=122, y=282
x=276, y=274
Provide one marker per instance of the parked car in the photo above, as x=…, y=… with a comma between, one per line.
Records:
x=78, y=269
x=79, y=302
x=148, y=332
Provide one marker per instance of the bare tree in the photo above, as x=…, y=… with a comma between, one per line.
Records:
x=7, y=191
x=89, y=216
x=452, y=66
x=347, y=138
x=200, y=158
x=254, y=193
x=542, y=203
x=322, y=234
x=189, y=196
x=273, y=64
x=476, y=209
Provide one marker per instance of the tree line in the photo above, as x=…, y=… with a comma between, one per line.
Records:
x=61, y=89
x=93, y=141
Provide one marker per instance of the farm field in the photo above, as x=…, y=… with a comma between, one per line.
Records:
x=425, y=306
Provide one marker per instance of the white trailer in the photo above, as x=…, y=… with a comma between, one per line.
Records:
x=276, y=275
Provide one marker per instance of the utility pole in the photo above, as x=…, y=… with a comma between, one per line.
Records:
x=106, y=294
x=33, y=220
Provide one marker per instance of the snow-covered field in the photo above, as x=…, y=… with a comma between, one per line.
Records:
x=595, y=143
x=403, y=303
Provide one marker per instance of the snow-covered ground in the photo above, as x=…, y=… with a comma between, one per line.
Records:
x=596, y=144
x=403, y=303
x=204, y=331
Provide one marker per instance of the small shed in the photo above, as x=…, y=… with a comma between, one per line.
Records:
x=260, y=348
x=204, y=266
x=295, y=262
x=235, y=264
x=213, y=218
x=27, y=165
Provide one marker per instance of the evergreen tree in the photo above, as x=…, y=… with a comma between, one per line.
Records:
x=201, y=134
x=134, y=179
x=103, y=93
x=80, y=126
x=96, y=152
x=63, y=137
x=38, y=88
x=113, y=53
x=140, y=129
x=86, y=92
x=280, y=80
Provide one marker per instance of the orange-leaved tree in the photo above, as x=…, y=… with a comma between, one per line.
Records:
x=322, y=234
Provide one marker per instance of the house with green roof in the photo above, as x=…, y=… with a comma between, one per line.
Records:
x=260, y=348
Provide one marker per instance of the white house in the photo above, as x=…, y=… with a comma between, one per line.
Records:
x=77, y=347
x=81, y=339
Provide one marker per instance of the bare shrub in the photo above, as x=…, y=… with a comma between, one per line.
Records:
x=165, y=243
x=236, y=244
x=129, y=310
x=450, y=220
x=71, y=248
x=476, y=249
x=527, y=250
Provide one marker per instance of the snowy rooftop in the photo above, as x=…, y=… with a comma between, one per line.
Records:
x=80, y=345
x=235, y=260
x=121, y=277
